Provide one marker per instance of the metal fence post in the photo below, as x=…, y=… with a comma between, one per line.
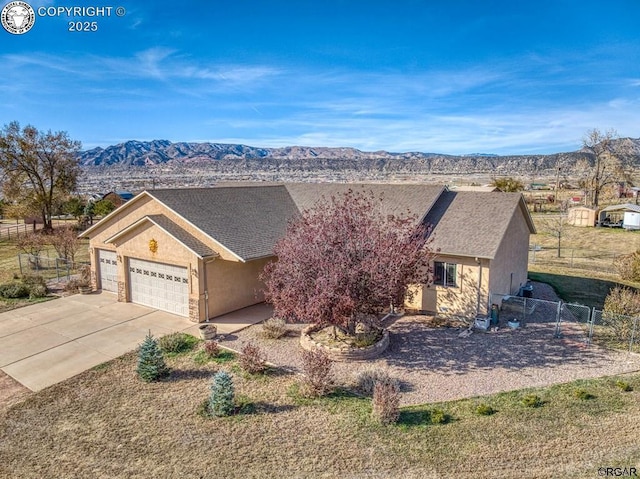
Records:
x=592, y=322
x=558, y=319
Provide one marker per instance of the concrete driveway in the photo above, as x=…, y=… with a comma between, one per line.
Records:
x=45, y=343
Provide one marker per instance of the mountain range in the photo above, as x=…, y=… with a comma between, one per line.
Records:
x=148, y=153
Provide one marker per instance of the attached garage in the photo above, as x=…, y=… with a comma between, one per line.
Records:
x=158, y=285
x=108, y=270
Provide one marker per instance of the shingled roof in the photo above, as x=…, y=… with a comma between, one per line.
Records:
x=473, y=224
x=246, y=220
x=249, y=220
x=401, y=200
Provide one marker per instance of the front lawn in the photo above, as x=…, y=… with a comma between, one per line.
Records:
x=107, y=423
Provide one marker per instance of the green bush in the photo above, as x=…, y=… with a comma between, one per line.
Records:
x=14, y=290
x=532, y=400
x=583, y=394
x=221, y=399
x=484, y=410
x=626, y=387
x=368, y=338
x=151, y=365
x=38, y=291
x=438, y=416
x=175, y=343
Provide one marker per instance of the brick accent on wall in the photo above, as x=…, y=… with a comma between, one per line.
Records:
x=122, y=292
x=194, y=310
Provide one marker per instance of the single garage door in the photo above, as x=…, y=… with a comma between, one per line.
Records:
x=108, y=270
x=160, y=286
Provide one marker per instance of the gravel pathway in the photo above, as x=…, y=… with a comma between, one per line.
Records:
x=437, y=364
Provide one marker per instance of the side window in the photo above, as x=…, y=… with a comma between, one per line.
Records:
x=445, y=274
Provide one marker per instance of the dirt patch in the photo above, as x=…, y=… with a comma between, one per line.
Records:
x=11, y=392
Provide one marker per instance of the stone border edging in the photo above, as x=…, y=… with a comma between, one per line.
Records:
x=344, y=353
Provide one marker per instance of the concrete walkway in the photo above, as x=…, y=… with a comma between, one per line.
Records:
x=45, y=343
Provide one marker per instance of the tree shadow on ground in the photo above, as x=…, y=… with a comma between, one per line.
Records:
x=414, y=345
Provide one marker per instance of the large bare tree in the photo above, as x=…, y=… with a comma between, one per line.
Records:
x=40, y=168
x=611, y=161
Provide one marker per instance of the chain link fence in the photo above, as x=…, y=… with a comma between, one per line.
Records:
x=616, y=331
x=573, y=258
x=568, y=321
x=49, y=268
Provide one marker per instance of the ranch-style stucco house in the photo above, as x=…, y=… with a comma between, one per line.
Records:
x=198, y=252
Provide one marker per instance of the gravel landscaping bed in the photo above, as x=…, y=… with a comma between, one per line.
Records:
x=437, y=364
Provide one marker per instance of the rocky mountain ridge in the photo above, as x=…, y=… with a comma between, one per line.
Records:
x=219, y=155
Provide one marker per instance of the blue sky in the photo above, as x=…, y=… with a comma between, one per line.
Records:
x=452, y=77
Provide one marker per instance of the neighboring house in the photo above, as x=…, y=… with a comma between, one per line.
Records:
x=118, y=198
x=199, y=252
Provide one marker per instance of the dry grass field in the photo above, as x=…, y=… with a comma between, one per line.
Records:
x=107, y=423
x=584, y=272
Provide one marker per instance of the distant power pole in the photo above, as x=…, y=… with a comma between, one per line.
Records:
x=555, y=198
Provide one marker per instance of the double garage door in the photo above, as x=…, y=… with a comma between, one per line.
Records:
x=159, y=286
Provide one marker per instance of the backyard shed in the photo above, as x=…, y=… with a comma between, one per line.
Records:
x=581, y=216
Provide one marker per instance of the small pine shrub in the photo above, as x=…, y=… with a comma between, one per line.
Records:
x=316, y=367
x=438, y=416
x=583, y=394
x=386, y=403
x=211, y=348
x=151, y=365
x=366, y=379
x=274, y=328
x=532, y=400
x=175, y=343
x=626, y=387
x=14, y=290
x=252, y=359
x=484, y=410
x=221, y=399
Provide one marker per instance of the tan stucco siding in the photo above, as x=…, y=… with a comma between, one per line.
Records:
x=136, y=244
x=509, y=267
x=468, y=298
x=232, y=285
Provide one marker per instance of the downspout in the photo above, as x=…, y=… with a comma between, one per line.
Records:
x=206, y=286
x=479, y=261
x=206, y=292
